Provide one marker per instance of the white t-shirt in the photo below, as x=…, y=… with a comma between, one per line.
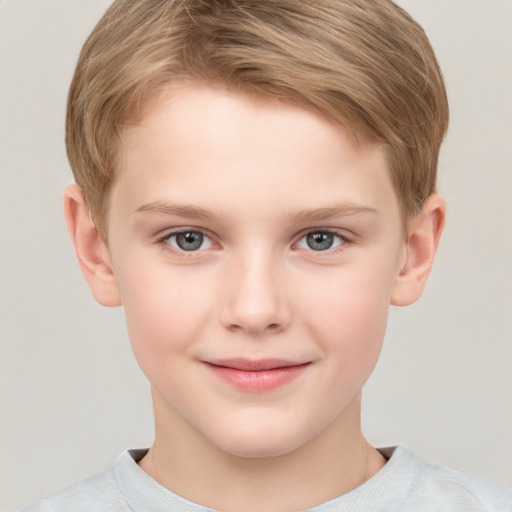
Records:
x=406, y=483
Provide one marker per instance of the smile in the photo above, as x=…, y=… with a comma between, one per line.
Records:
x=258, y=375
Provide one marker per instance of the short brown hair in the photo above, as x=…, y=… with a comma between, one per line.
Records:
x=364, y=63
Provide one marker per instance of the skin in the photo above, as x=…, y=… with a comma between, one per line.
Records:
x=255, y=176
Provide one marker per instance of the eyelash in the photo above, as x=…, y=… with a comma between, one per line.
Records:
x=343, y=240
x=164, y=241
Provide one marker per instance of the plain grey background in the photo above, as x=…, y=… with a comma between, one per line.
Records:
x=71, y=395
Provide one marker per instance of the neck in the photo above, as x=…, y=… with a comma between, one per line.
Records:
x=333, y=463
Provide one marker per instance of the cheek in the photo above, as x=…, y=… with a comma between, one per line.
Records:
x=165, y=313
x=339, y=314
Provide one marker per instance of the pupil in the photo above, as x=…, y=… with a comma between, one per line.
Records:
x=320, y=241
x=189, y=241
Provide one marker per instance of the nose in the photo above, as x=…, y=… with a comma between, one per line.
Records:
x=255, y=297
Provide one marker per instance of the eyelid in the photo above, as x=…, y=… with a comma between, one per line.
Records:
x=162, y=240
x=345, y=239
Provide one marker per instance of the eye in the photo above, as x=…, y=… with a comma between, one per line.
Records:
x=321, y=240
x=188, y=241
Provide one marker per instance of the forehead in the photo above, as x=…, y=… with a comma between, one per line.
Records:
x=218, y=147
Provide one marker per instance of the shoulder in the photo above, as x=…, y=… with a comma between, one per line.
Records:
x=448, y=489
x=124, y=487
x=97, y=493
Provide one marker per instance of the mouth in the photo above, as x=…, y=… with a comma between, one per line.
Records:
x=256, y=375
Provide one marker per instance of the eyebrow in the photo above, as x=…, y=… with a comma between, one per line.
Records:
x=179, y=210
x=313, y=214
x=319, y=214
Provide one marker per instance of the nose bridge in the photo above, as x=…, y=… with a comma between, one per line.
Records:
x=256, y=299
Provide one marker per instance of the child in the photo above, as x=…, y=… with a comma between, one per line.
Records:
x=256, y=183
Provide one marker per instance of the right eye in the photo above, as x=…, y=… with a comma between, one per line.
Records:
x=188, y=240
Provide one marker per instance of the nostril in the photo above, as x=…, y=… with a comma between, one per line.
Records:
x=254, y=329
x=254, y=308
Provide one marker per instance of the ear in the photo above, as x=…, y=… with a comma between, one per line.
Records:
x=421, y=246
x=92, y=252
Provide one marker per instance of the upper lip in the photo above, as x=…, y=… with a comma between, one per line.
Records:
x=254, y=364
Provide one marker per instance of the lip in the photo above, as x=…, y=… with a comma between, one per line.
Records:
x=256, y=375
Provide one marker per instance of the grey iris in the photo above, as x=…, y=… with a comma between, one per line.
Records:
x=189, y=240
x=320, y=240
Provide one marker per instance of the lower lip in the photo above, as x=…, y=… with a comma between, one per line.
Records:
x=258, y=380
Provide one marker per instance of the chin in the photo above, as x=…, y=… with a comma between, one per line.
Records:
x=259, y=442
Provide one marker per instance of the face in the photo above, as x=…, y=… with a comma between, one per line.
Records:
x=255, y=248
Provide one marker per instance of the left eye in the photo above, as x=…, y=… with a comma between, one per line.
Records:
x=320, y=241
x=189, y=241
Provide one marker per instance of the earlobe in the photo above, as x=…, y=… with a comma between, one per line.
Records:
x=91, y=251
x=422, y=242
